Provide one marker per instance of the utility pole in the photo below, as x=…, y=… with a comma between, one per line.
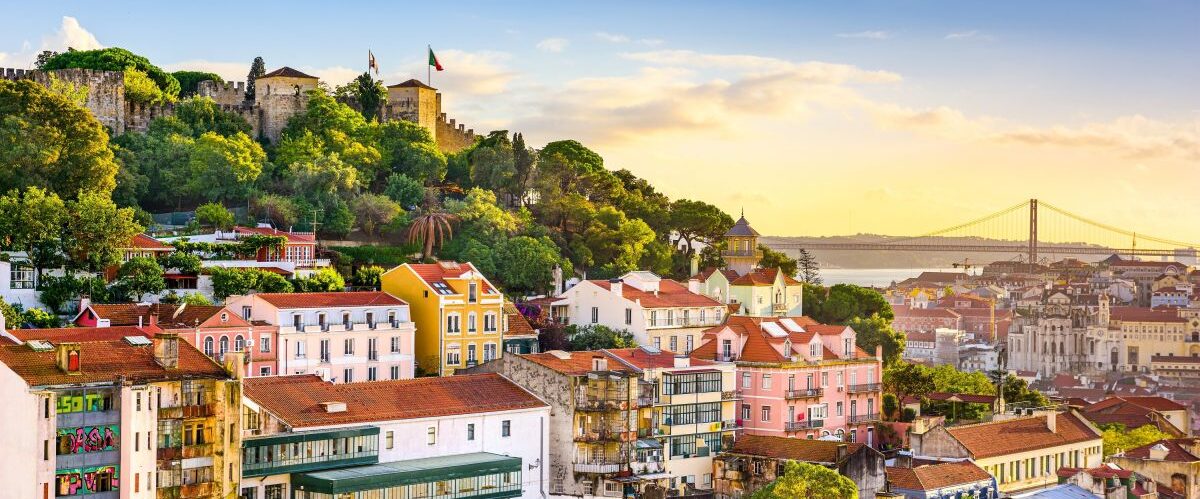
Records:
x=316, y=216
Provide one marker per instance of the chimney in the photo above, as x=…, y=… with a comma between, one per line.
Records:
x=166, y=350
x=599, y=363
x=66, y=356
x=694, y=265
x=694, y=286
x=682, y=361
x=85, y=301
x=615, y=286
x=841, y=452
x=878, y=354
x=235, y=364
x=1159, y=452
x=154, y=319
x=333, y=407
x=1052, y=421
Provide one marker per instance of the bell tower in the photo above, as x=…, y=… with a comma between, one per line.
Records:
x=741, y=252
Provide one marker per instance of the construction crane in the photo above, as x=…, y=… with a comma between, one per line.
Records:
x=966, y=265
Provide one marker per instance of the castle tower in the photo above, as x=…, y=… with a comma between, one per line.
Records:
x=281, y=94
x=416, y=102
x=741, y=253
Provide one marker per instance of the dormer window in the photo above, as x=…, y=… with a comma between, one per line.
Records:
x=846, y=343
x=472, y=292
x=812, y=349
x=787, y=347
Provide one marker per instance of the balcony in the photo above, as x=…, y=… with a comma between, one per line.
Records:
x=862, y=388
x=863, y=418
x=730, y=395
x=187, y=411
x=731, y=424
x=294, y=452
x=645, y=401
x=585, y=404
x=743, y=253
x=806, y=393
x=683, y=322
x=647, y=467
x=606, y=435
x=598, y=466
x=810, y=424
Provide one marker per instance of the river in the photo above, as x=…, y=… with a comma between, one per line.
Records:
x=872, y=277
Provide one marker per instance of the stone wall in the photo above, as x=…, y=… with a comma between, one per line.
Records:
x=106, y=91
x=224, y=92
x=453, y=137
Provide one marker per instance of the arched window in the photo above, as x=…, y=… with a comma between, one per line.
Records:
x=224, y=344
x=239, y=343
x=208, y=346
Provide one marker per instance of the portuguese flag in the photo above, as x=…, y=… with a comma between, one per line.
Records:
x=433, y=61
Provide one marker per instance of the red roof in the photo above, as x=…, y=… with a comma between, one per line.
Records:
x=292, y=237
x=1011, y=436
x=944, y=313
x=78, y=334
x=618, y=359
x=936, y=476
x=518, y=325
x=108, y=361
x=760, y=346
x=1143, y=314
x=297, y=400
x=287, y=72
x=796, y=449
x=144, y=242
x=1178, y=450
x=438, y=272
x=703, y=276
x=167, y=316
x=670, y=294
x=331, y=299
x=762, y=277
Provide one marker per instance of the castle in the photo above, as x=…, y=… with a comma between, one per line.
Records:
x=279, y=95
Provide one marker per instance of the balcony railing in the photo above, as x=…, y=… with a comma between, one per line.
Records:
x=187, y=411
x=863, y=418
x=731, y=424
x=862, y=387
x=599, y=405
x=803, y=425
x=599, y=466
x=730, y=395
x=683, y=321
x=805, y=393
x=646, y=467
x=754, y=253
x=606, y=435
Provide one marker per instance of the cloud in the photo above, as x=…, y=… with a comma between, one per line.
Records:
x=1135, y=136
x=873, y=35
x=812, y=71
x=70, y=34
x=554, y=45
x=969, y=35
x=230, y=71
x=612, y=37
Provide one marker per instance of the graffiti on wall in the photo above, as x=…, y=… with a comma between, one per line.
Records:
x=88, y=439
x=84, y=402
x=81, y=481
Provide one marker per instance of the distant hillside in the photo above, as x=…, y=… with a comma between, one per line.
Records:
x=899, y=259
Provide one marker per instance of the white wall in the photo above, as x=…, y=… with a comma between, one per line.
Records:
x=24, y=471
x=137, y=457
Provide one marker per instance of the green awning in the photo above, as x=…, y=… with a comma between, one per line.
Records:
x=413, y=471
x=309, y=436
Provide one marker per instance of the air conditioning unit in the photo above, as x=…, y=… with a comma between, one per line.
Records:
x=249, y=342
x=323, y=373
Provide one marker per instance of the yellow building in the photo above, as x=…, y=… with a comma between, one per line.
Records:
x=456, y=310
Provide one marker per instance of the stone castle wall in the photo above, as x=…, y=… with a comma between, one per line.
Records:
x=268, y=114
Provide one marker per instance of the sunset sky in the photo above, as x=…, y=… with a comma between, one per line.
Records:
x=833, y=118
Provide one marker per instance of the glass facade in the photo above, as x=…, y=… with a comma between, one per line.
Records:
x=479, y=475
x=309, y=450
x=701, y=382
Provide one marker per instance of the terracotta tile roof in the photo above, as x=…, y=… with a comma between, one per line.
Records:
x=168, y=316
x=79, y=334
x=1011, y=436
x=1157, y=403
x=670, y=294
x=1177, y=450
x=1102, y=472
x=144, y=242
x=759, y=346
x=797, y=449
x=1143, y=314
x=763, y=277
x=287, y=73
x=574, y=363
x=643, y=359
x=944, y=313
x=919, y=336
x=438, y=272
x=292, y=237
x=936, y=476
x=708, y=272
x=106, y=362
x=297, y=400
x=517, y=324
x=411, y=83
x=332, y=299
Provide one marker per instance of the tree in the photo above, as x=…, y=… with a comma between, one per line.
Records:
x=373, y=212
x=141, y=89
x=33, y=222
x=368, y=275
x=409, y=149
x=430, y=229
x=889, y=405
x=224, y=168
x=97, y=231
x=43, y=58
x=141, y=275
x=325, y=279
x=280, y=211
x=842, y=302
x=905, y=380
x=1117, y=438
x=368, y=92
x=202, y=114
x=874, y=331
x=524, y=168
x=525, y=264
x=697, y=221
x=615, y=242
x=39, y=318
x=257, y=68
x=808, y=481
x=776, y=259
x=189, y=81
x=115, y=59
x=596, y=336
x=228, y=282
x=214, y=215
x=12, y=317
x=404, y=190
x=50, y=142
x=810, y=270
x=324, y=174
x=196, y=299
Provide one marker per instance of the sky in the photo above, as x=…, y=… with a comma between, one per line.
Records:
x=896, y=117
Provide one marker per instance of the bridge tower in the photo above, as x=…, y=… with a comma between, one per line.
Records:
x=1033, y=235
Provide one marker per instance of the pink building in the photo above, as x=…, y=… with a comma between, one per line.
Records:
x=797, y=378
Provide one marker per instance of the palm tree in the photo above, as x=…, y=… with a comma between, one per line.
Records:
x=431, y=227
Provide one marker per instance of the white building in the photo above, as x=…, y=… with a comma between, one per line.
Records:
x=459, y=436
x=344, y=337
x=658, y=312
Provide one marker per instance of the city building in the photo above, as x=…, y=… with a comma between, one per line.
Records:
x=213, y=329
x=1147, y=332
x=297, y=256
x=118, y=416
x=799, y=378
x=755, y=461
x=1174, y=463
x=759, y=292
x=1167, y=415
x=657, y=311
x=741, y=253
x=629, y=420
x=476, y=436
x=341, y=336
x=519, y=335
x=941, y=479
x=1066, y=331
x=1022, y=452
x=457, y=312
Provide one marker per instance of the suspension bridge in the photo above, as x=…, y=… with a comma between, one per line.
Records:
x=1030, y=228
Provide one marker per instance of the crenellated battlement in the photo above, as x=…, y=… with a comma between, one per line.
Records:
x=223, y=92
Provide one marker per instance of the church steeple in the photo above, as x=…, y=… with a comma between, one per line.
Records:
x=741, y=247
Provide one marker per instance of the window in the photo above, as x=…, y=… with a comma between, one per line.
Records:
x=246, y=312
x=224, y=345
x=766, y=413
x=395, y=372
x=431, y=436
x=595, y=315
x=746, y=380
x=489, y=322
x=658, y=342
x=452, y=324
x=812, y=350
x=348, y=375
x=687, y=348
x=452, y=358
x=389, y=440
x=470, y=431
x=674, y=343
x=239, y=343
x=264, y=371
x=846, y=344
x=264, y=344
x=472, y=292
x=297, y=322
x=208, y=346
x=824, y=380
x=506, y=428
x=321, y=322
x=766, y=381
x=300, y=349
x=21, y=277
x=348, y=346
x=372, y=353
x=346, y=321
x=686, y=414
x=839, y=408
x=727, y=349
x=703, y=382
x=395, y=344
x=629, y=316
x=489, y=352
x=324, y=350
x=371, y=373
x=138, y=402
x=746, y=412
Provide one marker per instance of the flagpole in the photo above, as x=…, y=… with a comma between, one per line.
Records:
x=428, y=71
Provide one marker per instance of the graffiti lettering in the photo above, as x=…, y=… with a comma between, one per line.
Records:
x=88, y=439
x=90, y=402
x=83, y=481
